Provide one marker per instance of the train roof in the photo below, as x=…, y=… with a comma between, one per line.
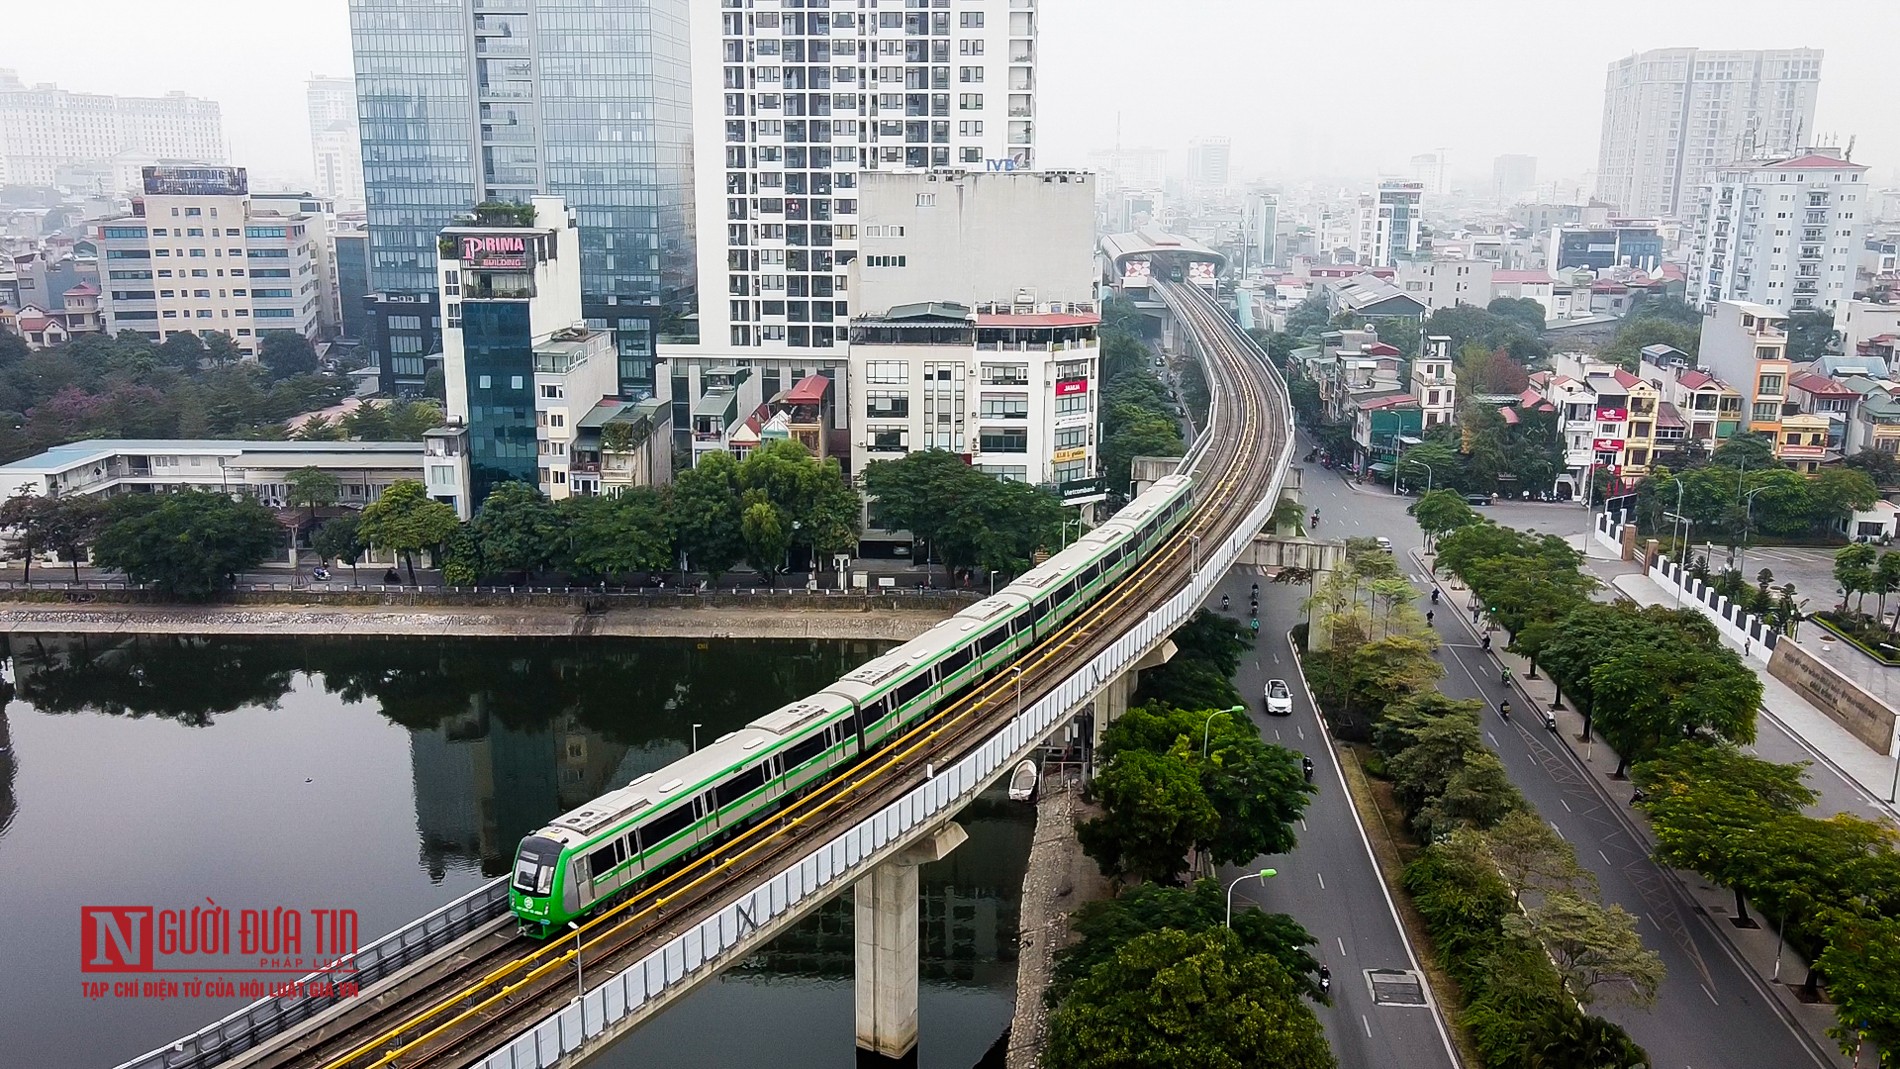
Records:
x=884, y=670
x=655, y=790
x=970, y=622
x=796, y=716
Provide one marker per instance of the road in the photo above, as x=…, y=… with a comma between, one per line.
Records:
x=1712, y=1012
x=1329, y=882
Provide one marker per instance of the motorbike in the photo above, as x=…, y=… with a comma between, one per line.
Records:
x=320, y=574
x=1325, y=979
x=1550, y=722
x=1504, y=710
x=1306, y=766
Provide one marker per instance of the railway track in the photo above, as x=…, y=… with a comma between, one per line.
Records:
x=465, y=1006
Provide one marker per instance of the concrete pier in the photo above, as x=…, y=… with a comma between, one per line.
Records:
x=886, y=928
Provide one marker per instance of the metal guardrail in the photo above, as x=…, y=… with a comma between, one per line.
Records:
x=710, y=944
x=268, y=1017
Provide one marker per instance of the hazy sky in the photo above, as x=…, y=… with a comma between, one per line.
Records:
x=1303, y=88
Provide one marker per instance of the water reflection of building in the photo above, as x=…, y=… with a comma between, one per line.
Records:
x=482, y=785
x=967, y=926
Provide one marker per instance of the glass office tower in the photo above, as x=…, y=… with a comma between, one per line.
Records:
x=464, y=101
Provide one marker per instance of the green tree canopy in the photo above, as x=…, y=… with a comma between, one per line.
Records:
x=1154, y=811
x=611, y=536
x=313, y=487
x=406, y=521
x=190, y=543
x=706, y=514
x=519, y=530
x=286, y=353
x=1170, y=1000
x=340, y=539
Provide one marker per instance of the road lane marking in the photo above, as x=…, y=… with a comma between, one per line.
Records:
x=1555, y=828
x=1342, y=945
x=1301, y=731
x=1711, y=994
x=1321, y=879
x=1567, y=808
x=1493, y=738
x=1652, y=922
x=1606, y=859
x=1368, y=1024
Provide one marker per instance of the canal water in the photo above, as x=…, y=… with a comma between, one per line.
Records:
x=390, y=776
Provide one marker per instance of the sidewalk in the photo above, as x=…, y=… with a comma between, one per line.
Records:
x=1758, y=948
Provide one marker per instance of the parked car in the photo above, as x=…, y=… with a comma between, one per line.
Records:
x=1279, y=698
x=1477, y=499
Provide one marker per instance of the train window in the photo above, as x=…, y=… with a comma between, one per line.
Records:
x=874, y=712
x=909, y=691
x=957, y=659
x=739, y=786
x=1042, y=608
x=603, y=860
x=665, y=826
x=804, y=750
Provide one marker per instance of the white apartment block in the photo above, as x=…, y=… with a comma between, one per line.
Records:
x=336, y=146
x=801, y=99
x=1672, y=115
x=44, y=128
x=197, y=254
x=1131, y=168
x=1782, y=233
x=1389, y=223
x=977, y=325
x=1446, y=283
x=1210, y=164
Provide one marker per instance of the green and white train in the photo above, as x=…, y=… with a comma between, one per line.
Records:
x=590, y=855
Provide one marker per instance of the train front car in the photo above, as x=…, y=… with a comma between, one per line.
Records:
x=535, y=891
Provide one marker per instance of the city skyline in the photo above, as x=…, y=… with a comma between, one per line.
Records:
x=1535, y=99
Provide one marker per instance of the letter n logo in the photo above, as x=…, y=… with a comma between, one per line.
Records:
x=115, y=938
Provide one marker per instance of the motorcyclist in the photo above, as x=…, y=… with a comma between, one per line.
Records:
x=1306, y=766
x=1325, y=979
x=1550, y=721
x=1504, y=709
x=1255, y=624
x=1506, y=675
x=1315, y=523
x=1255, y=591
x=1428, y=617
x=1485, y=640
x=1223, y=603
x=1434, y=595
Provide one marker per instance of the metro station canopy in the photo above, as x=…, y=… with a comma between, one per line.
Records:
x=1164, y=254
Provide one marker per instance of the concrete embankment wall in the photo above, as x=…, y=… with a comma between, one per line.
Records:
x=736, y=618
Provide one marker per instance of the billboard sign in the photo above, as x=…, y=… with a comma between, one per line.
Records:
x=1137, y=273
x=1080, y=491
x=506, y=252
x=1607, y=445
x=1071, y=387
x=1612, y=415
x=174, y=181
x=1064, y=456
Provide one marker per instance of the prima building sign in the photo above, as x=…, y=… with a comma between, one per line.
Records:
x=173, y=181
x=495, y=251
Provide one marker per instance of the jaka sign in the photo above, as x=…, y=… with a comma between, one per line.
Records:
x=501, y=251
x=1071, y=387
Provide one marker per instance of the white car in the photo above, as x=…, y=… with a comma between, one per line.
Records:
x=1279, y=698
x=1384, y=543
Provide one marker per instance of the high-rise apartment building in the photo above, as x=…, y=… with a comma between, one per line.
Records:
x=336, y=147
x=44, y=128
x=793, y=101
x=1511, y=176
x=197, y=254
x=469, y=101
x=1389, y=223
x=1131, y=168
x=1428, y=170
x=1671, y=115
x=1785, y=234
x=1210, y=161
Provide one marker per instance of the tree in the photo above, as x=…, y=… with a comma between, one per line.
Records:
x=23, y=517
x=1153, y=812
x=313, y=487
x=616, y=535
x=1490, y=371
x=1200, y=675
x=1809, y=335
x=1531, y=856
x=1400, y=332
x=1835, y=492
x=1520, y=310
x=190, y=543
x=1862, y=963
x=182, y=349
x=767, y=538
x=1854, y=570
x=340, y=539
x=1635, y=334
x=1433, y=462
x=1107, y=926
x=518, y=530
x=286, y=353
x=1645, y=699
x=707, y=514
x=410, y=420
x=1170, y=1000
x=368, y=422
x=319, y=428
x=1443, y=511
x=69, y=526
x=406, y=521
x=1593, y=946
x=1881, y=466
x=1745, y=452
x=1308, y=319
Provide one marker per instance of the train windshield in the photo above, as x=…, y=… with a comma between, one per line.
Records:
x=534, y=866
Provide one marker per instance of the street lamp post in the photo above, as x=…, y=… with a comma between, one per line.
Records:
x=1017, y=671
x=992, y=582
x=696, y=728
x=1208, y=724
x=580, y=982
x=1748, y=518
x=1263, y=876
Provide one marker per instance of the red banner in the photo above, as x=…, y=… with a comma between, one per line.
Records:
x=1612, y=415
x=1070, y=387
x=1607, y=445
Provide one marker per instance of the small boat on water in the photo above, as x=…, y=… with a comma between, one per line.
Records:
x=1022, y=782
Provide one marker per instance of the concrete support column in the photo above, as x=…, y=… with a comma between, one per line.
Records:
x=886, y=934
x=1113, y=699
